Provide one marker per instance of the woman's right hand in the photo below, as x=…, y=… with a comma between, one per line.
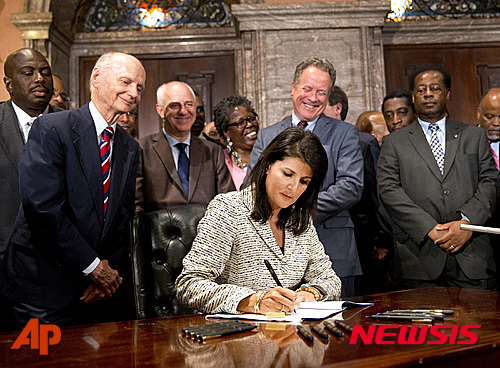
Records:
x=277, y=300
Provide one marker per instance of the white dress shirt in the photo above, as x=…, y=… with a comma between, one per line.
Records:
x=495, y=147
x=100, y=124
x=24, y=120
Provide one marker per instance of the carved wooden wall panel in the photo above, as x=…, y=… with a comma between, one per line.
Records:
x=473, y=69
x=212, y=75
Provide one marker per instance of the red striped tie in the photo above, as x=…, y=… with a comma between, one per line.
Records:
x=107, y=134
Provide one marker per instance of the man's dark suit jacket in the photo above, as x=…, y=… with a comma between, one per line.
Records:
x=371, y=222
x=60, y=228
x=11, y=145
x=341, y=189
x=159, y=185
x=372, y=225
x=418, y=197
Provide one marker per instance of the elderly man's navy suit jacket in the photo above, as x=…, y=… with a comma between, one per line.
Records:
x=61, y=228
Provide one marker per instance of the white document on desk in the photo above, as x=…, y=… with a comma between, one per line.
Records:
x=307, y=311
x=333, y=305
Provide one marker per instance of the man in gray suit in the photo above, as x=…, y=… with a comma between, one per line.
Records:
x=28, y=79
x=343, y=184
x=435, y=175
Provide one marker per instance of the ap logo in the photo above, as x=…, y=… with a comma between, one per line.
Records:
x=37, y=336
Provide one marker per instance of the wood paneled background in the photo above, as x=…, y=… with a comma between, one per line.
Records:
x=473, y=69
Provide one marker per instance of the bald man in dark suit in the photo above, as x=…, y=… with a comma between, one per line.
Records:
x=28, y=79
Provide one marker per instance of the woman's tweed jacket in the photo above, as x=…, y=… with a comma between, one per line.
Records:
x=226, y=261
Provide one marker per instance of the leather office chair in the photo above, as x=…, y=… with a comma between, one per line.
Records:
x=160, y=241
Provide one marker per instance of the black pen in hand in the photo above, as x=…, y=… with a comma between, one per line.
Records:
x=276, y=280
x=273, y=274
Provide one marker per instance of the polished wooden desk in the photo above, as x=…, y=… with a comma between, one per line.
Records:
x=160, y=343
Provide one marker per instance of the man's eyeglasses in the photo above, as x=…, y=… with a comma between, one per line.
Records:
x=63, y=96
x=243, y=122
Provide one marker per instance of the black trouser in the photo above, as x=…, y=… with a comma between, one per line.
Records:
x=350, y=286
x=76, y=313
x=452, y=276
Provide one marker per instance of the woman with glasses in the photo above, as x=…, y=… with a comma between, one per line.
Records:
x=237, y=122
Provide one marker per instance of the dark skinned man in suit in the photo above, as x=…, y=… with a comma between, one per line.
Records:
x=434, y=175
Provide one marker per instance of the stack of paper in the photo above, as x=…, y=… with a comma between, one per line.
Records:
x=307, y=311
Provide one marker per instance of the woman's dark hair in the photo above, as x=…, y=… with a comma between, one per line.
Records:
x=221, y=111
x=298, y=143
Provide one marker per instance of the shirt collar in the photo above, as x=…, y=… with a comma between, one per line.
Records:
x=23, y=117
x=173, y=141
x=99, y=121
x=425, y=125
x=296, y=120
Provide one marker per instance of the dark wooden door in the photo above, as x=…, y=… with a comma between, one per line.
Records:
x=212, y=75
x=473, y=69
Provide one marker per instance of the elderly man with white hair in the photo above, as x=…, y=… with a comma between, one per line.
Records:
x=77, y=178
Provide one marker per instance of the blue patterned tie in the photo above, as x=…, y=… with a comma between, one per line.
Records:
x=183, y=167
x=436, y=148
x=107, y=134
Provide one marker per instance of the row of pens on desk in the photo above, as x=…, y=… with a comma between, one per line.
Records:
x=206, y=332
x=405, y=315
x=413, y=315
x=337, y=328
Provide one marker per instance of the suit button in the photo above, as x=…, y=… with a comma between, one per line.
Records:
x=446, y=192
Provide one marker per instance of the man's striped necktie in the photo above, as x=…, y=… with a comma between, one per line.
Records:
x=107, y=134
